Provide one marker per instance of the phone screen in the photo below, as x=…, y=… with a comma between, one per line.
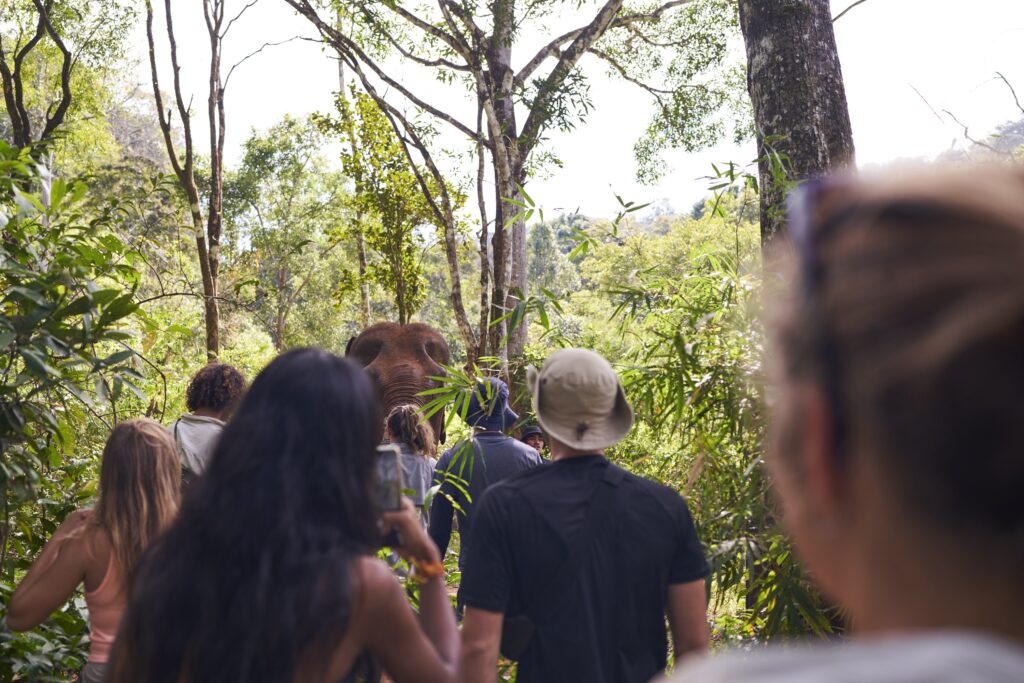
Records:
x=387, y=485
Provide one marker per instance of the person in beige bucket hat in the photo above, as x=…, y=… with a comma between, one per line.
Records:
x=575, y=564
x=579, y=400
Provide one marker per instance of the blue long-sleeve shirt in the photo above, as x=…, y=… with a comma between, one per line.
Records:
x=464, y=472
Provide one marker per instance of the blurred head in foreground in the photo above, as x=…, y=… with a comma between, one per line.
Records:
x=897, y=452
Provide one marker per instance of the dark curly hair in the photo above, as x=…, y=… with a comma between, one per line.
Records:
x=218, y=386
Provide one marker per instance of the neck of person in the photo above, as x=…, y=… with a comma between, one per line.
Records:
x=561, y=451
x=910, y=578
x=480, y=431
x=209, y=412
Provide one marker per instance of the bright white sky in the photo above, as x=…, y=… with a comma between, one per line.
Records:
x=949, y=50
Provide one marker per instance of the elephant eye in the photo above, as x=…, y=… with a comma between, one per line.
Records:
x=366, y=350
x=435, y=351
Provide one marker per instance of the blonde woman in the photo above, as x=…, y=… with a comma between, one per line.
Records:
x=140, y=480
x=406, y=428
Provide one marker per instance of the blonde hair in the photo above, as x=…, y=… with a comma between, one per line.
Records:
x=140, y=489
x=406, y=425
x=921, y=300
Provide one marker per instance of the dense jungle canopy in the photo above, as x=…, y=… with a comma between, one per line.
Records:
x=147, y=227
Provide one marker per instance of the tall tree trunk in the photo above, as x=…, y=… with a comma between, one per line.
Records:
x=506, y=171
x=210, y=308
x=796, y=87
x=518, y=285
x=184, y=168
x=215, y=211
x=485, y=260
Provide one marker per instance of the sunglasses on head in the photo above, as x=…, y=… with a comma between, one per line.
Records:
x=802, y=207
x=807, y=235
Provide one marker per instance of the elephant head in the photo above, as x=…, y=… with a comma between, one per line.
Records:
x=401, y=359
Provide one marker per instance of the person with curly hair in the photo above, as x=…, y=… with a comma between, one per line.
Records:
x=212, y=395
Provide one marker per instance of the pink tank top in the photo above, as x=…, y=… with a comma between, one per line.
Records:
x=106, y=605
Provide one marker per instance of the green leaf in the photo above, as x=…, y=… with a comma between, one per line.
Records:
x=29, y=294
x=35, y=362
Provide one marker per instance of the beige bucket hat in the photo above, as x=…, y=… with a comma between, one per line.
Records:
x=579, y=400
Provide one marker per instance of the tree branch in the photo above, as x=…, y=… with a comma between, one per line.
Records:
x=65, y=73
x=164, y=116
x=554, y=48
x=843, y=13
x=186, y=120
x=656, y=92
x=406, y=135
x=439, y=62
x=14, y=94
x=237, y=17
x=968, y=137
x=566, y=62
x=246, y=58
x=347, y=47
x=1012, y=91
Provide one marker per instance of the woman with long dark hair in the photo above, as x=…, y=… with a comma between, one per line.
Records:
x=269, y=573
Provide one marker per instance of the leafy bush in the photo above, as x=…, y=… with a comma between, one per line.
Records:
x=68, y=287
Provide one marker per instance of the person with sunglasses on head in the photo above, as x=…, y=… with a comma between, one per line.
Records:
x=270, y=572
x=897, y=433
x=573, y=567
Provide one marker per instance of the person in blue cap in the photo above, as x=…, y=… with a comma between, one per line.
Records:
x=467, y=469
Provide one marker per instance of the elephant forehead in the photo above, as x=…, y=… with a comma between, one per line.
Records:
x=388, y=342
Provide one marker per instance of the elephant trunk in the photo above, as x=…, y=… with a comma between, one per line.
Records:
x=399, y=385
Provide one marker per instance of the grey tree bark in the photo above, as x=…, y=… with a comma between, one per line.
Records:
x=796, y=87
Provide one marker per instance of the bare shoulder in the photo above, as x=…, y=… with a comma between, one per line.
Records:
x=79, y=518
x=77, y=527
x=375, y=589
x=373, y=579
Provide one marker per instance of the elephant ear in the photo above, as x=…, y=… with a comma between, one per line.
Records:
x=348, y=346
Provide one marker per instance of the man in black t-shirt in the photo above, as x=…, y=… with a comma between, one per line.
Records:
x=590, y=557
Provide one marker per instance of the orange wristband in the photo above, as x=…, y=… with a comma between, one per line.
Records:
x=424, y=571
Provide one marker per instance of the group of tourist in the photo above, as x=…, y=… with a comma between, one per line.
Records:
x=896, y=451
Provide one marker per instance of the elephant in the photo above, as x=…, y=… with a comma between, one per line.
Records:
x=401, y=359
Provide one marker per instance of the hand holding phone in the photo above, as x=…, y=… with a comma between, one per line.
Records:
x=414, y=543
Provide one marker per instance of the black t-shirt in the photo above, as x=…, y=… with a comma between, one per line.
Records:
x=609, y=626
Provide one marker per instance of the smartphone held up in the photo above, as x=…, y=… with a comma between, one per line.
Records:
x=387, y=481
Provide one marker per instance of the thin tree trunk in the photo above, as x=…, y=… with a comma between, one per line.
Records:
x=499, y=59
x=210, y=308
x=796, y=87
x=518, y=285
x=215, y=110
x=184, y=170
x=485, y=261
